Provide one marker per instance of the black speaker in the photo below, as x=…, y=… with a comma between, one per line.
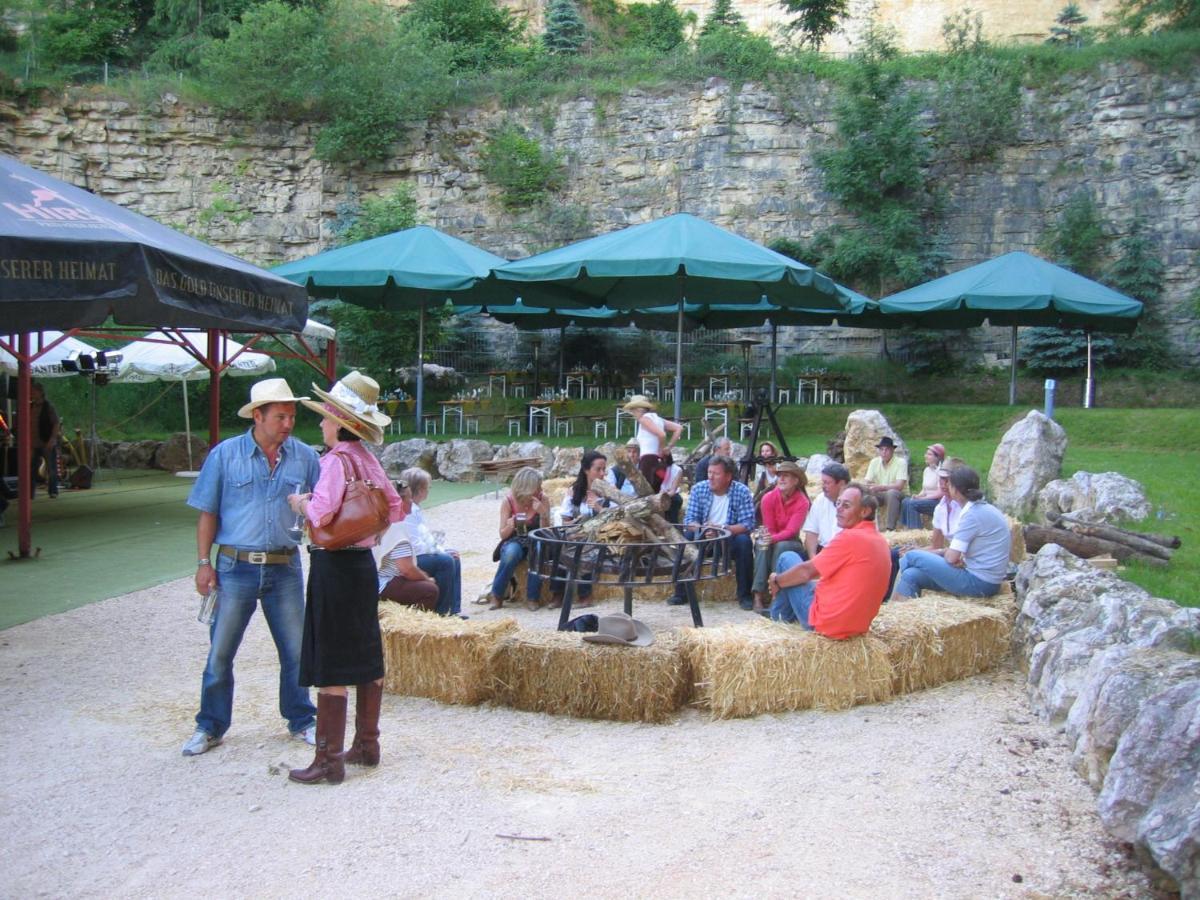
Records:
x=81, y=478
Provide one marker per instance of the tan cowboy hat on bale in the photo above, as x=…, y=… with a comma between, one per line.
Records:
x=619, y=628
x=272, y=390
x=353, y=402
x=639, y=401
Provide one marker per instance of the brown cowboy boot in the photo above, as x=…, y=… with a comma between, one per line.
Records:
x=331, y=735
x=365, y=749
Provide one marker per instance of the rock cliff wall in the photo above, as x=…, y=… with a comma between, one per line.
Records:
x=741, y=157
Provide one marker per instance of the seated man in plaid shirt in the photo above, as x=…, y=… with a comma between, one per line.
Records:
x=725, y=503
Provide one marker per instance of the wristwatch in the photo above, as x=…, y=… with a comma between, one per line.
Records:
x=202, y=563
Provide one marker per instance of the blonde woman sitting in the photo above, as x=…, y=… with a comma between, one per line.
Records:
x=522, y=510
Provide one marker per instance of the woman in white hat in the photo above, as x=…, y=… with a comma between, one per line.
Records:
x=341, y=643
x=651, y=433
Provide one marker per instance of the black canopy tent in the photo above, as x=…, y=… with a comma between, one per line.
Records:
x=70, y=260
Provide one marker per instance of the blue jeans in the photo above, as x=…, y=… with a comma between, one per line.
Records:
x=793, y=603
x=50, y=455
x=242, y=585
x=911, y=510
x=446, y=570
x=511, y=554
x=921, y=569
x=741, y=551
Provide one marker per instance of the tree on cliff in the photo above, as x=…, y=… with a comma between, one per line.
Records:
x=565, y=29
x=1138, y=15
x=815, y=20
x=658, y=25
x=722, y=15
x=482, y=33
x=1068, y=27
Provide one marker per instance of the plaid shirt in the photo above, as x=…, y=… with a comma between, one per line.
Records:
x=741, y=505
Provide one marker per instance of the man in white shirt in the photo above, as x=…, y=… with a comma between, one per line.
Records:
x=820, y=525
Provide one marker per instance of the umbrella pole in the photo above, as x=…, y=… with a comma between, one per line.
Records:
x=1012, y=375
x=420, y=368
x=679, y=356
x=774, y=354
x=214, y=389
x=562, y=341
x=187, y=424
x=1088, y=384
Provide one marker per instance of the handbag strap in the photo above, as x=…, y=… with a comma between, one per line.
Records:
x=350, y=467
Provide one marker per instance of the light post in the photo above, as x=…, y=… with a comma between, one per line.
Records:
x=747, y=343
x=536, y=340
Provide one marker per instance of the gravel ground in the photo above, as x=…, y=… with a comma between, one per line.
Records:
x=955, y=792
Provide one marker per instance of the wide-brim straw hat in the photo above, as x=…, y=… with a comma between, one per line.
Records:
x=353, y=402
x=620, y=628
x=639, y=401
x=272, y=390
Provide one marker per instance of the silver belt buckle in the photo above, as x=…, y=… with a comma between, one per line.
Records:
x=256, y=557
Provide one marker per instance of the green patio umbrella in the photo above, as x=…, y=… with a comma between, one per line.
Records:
x=411, y=269
x=679, y=259
x=1016, y=289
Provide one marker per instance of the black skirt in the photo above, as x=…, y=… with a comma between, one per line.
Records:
x=341, y=643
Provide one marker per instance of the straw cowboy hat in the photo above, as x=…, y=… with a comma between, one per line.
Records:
x=787, y=467
x=639, y=401
x=273, y=390
x=619, y=628
x=353, y=403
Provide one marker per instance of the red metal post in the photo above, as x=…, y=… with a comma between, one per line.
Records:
x=24, y=449
x=214, y=387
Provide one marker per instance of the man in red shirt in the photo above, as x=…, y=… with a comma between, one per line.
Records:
x=838, y=592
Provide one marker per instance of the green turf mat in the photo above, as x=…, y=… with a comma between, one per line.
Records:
x=132, y=530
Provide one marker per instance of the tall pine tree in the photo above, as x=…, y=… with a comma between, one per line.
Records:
x=565, y=28
x=722, y=15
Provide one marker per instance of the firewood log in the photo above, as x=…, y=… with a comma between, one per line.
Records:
x=632, y=472
x=1083, y=546
x=1113, y=533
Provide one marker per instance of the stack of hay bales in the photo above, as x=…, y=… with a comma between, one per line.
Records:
x=446, y=659
x=559, y=673
x=769, y=667
x=939, y=637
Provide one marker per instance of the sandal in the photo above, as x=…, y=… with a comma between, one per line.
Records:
x=533, y=605
x=556, y=601
x=494, y=602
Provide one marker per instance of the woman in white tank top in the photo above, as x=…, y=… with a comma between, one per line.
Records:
x=653, y=442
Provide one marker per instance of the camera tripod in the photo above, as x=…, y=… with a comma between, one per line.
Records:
x=762, y=406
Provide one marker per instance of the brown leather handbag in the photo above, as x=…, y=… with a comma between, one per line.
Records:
x=364, y=512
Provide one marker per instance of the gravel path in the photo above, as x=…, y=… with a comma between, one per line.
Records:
x=955, y=792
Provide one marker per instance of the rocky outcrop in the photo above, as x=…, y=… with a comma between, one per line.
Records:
x=1119, y=667
x=739, y=155
x=864, y=428
x=172, y=455
x=132, y=455
x=401, y=455
x=456, y=459
x=1106, y=497
x=1028, y=458
x=566, y=462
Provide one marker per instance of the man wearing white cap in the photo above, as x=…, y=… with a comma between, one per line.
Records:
x=242, y=495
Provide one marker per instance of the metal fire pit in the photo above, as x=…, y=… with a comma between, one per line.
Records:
x=568, y=562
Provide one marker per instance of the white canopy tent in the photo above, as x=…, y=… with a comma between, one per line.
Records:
x=49, y=364
x=160, y=357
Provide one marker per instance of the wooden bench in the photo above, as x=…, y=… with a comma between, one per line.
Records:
x=503, y=469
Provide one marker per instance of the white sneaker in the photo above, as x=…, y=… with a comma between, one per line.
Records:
x=308, y=735
x=200, y=742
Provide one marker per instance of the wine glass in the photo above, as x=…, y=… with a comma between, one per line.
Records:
x=296, y=530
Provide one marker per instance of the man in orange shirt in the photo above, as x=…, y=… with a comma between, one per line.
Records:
x=838, y=592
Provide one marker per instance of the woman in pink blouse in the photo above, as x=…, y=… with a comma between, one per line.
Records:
x=341, y=643
x=784, y=508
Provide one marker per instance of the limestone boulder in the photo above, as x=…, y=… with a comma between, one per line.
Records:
x=1151, y=795
x=566, y=462
x=456, y=459
x=1118, y=683
x=1071, y=611
x=133, y=455
x=1102, y=497
x=172, y=454
x=526, y=450
x=1028, y=458
x=415, y=452
x=864, y=428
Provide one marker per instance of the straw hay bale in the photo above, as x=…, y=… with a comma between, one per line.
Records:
x=937, y=638
x=1017, y=531
x=768, y=667
x=559, y=673
x=443, y=658
x=908, y=537
x=555, y=490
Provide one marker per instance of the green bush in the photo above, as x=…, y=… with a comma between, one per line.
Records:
x=517, y=164
x=481, y=34
x=737, y=54
x=658, y=25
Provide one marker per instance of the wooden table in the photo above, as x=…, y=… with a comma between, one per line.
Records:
x=547, y=409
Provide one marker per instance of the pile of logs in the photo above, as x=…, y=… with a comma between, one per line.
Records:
x=1088, y=540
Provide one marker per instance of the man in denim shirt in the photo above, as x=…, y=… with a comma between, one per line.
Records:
x=727, y=503
x=242, y=496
